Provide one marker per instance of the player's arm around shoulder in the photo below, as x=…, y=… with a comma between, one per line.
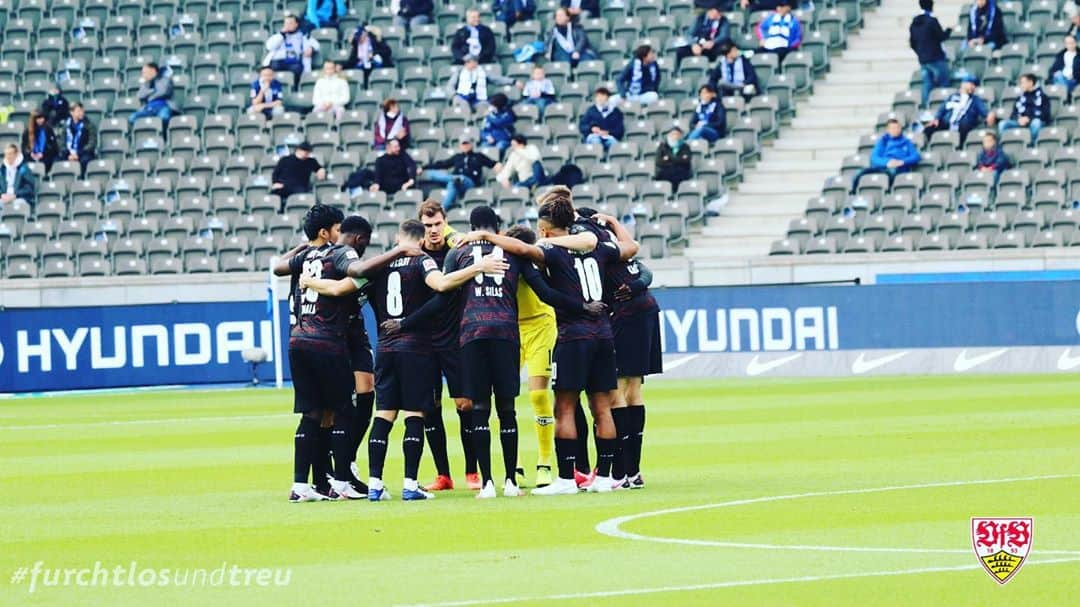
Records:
x=283, y=266
x=370, y=267
x=438, y=281
x=513, y=246
x=628, y=247
x=330, y=287
x=584, y=242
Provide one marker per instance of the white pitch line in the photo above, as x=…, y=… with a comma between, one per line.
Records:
x=612, y=527
x=134, y=422
x=716, y=585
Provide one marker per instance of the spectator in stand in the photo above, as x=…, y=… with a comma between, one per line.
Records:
x=39, y=141
x=780, y=31
x=512, y=11
x=155, y=93
x=603, y=122
x=710, y=118
x=991, y=157
x=290, y=50
x=579, y=9
x=331, y=92
x=267, y=94
x=567, y=41
x=368, y=52
x=293, y=173
x=323, y=13
x=538, y=90
x=1071, y=11
x=985, y=25
x=79, y=138
x=55, y=107
x=474, y=38
x=523, y=162
x=467, y=172
x=1031, y=110
x=391, y=125
x=499, y=123
x=17, y=181
x=707, y=33
x=961, y=112
x=893, y=154
x=1066, y=67
x=395, y=171
x=640, y=79
x=925, y=37
x=414, y=13
x=469, y=84
x=734, y=74
x=673, y=159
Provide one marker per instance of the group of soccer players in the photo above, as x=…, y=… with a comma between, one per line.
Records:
x=573, y=307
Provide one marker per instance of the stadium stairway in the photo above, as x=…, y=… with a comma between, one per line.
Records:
x=844, y=105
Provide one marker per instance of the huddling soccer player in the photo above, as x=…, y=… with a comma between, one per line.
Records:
x=584, y=355
x=402, y=280
x=635, y=324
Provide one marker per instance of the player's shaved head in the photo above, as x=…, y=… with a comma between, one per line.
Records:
x=355, y=233
x=484, y=218
x=412, y=230
x=322, y=217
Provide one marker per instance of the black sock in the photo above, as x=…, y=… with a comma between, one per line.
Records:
x=304, y=443
x=344, y=444
x=465, y=421
x=365, y=404
x=566, y=453
x=637, y=434
x=481, y=435
x=322, y=466
x=582, y=441
x=508, y=437
x=605, y=455
x=380, y=434
x=435, y=431
x=412, y=445
x=622, y=448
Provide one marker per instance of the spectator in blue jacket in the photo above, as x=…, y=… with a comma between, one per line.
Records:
x=1032, y=108
x=780, y=31
x=499, y=123
x=640, y=79
x=985, y=25
x=590, y=8
x=603, y=122
x=706, y=35
x=323, y=13
x=893, y=155
x=961, y=112
x=413, y=13
x=512, y=11
x=925, y=38
x=267, y=94
x=710, y=118
x=992, y=157
x=734, y=74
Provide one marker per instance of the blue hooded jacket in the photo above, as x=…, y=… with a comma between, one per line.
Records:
x=894, y=148
x=321, y=12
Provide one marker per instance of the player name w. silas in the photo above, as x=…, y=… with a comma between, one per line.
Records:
x=488, y=291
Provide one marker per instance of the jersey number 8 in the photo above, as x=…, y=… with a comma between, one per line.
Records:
x=395, y=305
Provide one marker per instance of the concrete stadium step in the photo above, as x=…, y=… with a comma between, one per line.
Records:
x=765, y=206
x=731, y=248
x=764, y=226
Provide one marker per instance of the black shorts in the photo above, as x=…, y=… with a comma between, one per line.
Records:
x=587, y=365
x=637, y=345
x=359, y=347
x=321, y=380
x=491, y=366
x=403, y=381
x=448, y=365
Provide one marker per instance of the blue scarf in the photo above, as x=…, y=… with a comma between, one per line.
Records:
x=992, y=6
x=636, y=77
x=733, y=72
x=74, y=134
x=704, y=111
x=39, y=140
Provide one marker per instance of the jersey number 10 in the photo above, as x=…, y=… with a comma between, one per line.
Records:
x=588, y=271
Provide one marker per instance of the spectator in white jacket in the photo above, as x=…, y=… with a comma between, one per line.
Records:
x=469, y=84
x=522, y=166
x=331, y=92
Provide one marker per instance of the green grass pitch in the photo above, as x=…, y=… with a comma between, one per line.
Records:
x=195, y=479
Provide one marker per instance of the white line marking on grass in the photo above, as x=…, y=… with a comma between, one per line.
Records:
x=612, y=527
x=134, y=422
x=717, y=585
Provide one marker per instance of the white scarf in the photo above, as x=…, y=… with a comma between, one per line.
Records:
x=566, y=42
x=733, y=72
x=959, y=106
x=11, y=170
x=605, y=110
x=395, y=128
x=363, y=51
x=1067, y=70
x=472, y=83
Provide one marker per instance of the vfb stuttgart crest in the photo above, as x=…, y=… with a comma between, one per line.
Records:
x=1002, y=544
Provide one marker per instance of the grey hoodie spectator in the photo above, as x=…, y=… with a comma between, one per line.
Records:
x=925, y=38
x=156, y=95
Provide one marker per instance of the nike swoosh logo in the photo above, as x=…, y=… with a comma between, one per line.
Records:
x=861, y=365
x=675, y=364
x=1066, y=362
x=757, y=368
x=964, y=363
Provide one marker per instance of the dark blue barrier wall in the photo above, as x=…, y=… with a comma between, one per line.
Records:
x=71, y=348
